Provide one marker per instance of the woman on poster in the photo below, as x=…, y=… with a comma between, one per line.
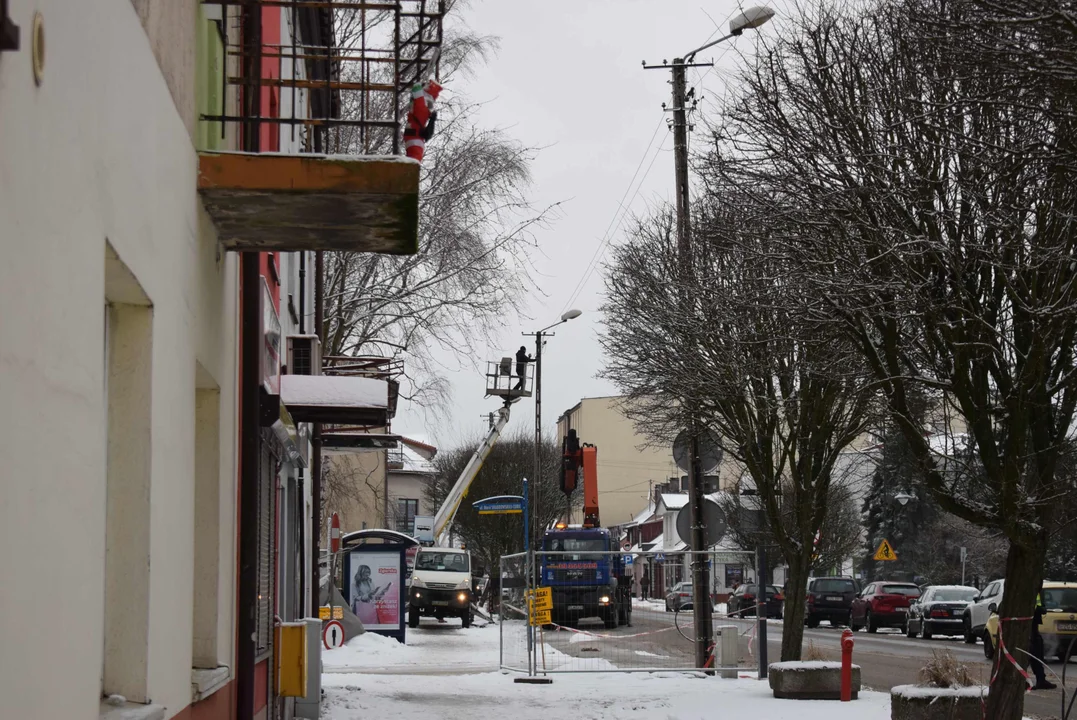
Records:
x=365, y=596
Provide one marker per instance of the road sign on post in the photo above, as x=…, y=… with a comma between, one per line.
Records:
x=333, y=634
x=500, y=505
x=334, y=534
x=885, y=551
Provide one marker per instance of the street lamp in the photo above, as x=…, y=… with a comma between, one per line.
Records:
x=538, y=335
x=751, y=18
x=532, y=491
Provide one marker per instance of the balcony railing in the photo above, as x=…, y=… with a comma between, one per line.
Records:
x=316, y=92
x=378, y=368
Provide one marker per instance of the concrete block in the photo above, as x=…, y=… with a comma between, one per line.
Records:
x=911, y=702
x=810, y=680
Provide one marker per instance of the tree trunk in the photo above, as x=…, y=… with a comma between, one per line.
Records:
x=1024, y=572
x=796, y=587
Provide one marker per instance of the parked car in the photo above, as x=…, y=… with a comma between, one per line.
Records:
x=679, y=598
x=883, y=604
x=940, y=610
x=979, y=611
x=1059, y=626
x=742, y=602
x=830, y=599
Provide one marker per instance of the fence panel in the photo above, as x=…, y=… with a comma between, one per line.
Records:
x=604, y=617
x=513, y=612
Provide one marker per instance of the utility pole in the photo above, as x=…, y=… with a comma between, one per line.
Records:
x=697, y=542
x=746, y=19
x=700, y=573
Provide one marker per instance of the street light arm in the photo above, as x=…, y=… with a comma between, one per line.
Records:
x=690, y=56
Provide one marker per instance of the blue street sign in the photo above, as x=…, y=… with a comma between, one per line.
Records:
x=628, y=559
x=500, y=505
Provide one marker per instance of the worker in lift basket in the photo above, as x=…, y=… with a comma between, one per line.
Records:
x=522, y=358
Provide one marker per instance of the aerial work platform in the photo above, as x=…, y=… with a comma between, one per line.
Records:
x=503, y=380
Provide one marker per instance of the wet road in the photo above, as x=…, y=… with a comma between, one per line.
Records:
x=886, y=659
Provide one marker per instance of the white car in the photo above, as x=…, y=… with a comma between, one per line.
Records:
x=980, y=609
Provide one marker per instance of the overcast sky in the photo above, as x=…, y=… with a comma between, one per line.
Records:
x=568, y=78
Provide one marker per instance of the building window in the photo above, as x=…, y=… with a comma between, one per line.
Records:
x=406, y=510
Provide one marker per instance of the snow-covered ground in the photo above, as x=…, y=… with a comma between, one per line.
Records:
x=431, y=648
x=445, y=672
x=580, y=696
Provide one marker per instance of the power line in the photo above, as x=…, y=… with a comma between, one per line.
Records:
x=621, y=208
x=620, y=205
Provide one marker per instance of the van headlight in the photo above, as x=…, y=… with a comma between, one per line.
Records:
x=604, y=600
x=463, y=585
x=417, y=582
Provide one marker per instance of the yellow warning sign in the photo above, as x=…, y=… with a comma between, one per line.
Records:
x=543, y=599
x=540, y=617
x=885, y=552
x=324, y=612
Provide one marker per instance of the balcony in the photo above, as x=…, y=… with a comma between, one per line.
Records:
x=284, y=203
x=315, y=94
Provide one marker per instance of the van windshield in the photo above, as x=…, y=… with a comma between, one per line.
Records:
x=442, y=561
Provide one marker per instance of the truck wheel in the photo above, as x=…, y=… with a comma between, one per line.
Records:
x=413, y=618
x=610, y=619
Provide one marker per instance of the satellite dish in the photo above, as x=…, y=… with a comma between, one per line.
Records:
x=714, y=523
x=710, y=451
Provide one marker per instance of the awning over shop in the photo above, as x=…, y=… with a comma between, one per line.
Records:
x=336, y=399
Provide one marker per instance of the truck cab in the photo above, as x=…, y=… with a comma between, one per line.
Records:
x=587, y=577
x=440, y=585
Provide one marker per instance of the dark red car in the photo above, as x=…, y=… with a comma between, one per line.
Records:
x=883, y=604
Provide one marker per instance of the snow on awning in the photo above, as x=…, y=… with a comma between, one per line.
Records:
x=336, y=399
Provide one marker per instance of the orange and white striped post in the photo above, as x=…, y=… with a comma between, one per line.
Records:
x=334, y=548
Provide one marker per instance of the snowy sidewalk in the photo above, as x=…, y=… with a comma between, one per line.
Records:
x=445, y=672
x=580, y=697
x=432, y=648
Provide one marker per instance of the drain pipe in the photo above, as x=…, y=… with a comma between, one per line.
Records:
x=316, y=443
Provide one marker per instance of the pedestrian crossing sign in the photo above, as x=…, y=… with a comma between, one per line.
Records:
x=885, y=551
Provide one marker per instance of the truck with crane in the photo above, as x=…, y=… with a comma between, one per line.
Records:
x=441, y=584
x=587, y=575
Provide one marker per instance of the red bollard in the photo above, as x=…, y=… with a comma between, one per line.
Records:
x=847, y=665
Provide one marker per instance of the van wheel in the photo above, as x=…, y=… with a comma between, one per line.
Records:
x=466, y=619
x=413, y=618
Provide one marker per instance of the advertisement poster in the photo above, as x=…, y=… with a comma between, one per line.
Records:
x=375, y=588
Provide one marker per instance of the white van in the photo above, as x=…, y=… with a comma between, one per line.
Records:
x=440, y=585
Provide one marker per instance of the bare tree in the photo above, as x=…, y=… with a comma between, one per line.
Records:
x=510, y=461
x=935, y=212
x=785, y=393
x=351, y=484
x=475, y=234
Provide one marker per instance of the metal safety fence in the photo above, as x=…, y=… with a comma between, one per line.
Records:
x=582, y=610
